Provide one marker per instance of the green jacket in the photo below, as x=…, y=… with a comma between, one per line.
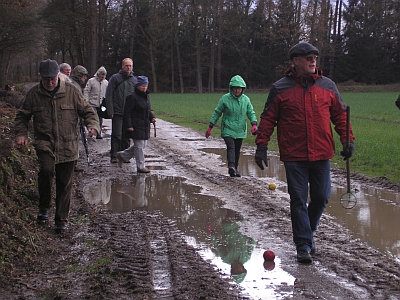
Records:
x=234, y=111
x=55, y=120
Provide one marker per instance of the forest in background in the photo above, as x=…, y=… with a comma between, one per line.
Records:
x=198, y=45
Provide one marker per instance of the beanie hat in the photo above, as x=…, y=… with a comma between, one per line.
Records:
x=49, y=68
x=142, y=80
x=302, y=49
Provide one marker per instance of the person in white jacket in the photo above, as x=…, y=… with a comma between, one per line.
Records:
x=95, y=91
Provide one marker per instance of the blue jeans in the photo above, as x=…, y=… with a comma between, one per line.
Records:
x=305, y=218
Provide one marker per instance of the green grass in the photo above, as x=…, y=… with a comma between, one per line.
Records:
x=375, y=119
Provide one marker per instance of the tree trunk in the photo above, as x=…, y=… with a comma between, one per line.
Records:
x=153, y=68
x=219, y=45
x=211, y=76
x=93, y=65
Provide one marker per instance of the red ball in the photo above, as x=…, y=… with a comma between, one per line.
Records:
x=269, y=255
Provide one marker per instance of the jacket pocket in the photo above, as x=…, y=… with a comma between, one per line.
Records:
x=68, y=113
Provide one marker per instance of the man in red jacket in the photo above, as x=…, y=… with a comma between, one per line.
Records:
x=302, y=106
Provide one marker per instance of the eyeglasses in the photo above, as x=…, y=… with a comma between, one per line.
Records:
x=311, y=57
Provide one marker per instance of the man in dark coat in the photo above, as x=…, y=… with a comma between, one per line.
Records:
x=120, y=86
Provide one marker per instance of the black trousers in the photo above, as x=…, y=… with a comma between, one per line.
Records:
x=64, y=174
x=119, y=141
x=233, y=151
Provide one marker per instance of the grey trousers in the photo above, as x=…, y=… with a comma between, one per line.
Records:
x=136, y=150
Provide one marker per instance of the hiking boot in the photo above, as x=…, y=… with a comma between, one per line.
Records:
x=113, y=160
x=232, y=172
x=43, y=214
x=237, y=174
x=144, y=170
x=304, y=257
x=313, y=249
x=120, y=160
x=60, y=228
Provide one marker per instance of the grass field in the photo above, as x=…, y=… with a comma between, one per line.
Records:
x=375, y=119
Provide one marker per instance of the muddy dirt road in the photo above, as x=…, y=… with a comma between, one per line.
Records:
x=142, y=255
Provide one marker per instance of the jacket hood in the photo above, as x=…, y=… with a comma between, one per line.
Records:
x=78, y=72
x=101, y=70
x=237, y=81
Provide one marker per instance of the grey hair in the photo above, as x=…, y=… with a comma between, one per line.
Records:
x=64, y=65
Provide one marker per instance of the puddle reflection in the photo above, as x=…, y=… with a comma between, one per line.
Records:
x=374, y=219
x=206, y=224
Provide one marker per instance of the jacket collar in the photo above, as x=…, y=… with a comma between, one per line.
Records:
x=304, y=80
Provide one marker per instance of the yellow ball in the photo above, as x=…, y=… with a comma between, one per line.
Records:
x=272, y=186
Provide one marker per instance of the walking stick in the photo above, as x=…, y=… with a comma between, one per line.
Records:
x=84, y=139
x=348, y=200
x=155, y=131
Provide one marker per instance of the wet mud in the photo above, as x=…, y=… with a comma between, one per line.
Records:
x=139, y=254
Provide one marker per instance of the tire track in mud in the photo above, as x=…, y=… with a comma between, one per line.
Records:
x=375, y=274
x=152, y=260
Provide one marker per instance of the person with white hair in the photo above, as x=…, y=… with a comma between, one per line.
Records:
x=55, y=107
x=95, y=91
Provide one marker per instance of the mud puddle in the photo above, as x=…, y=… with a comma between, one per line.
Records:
x=206, y=224
x=373, y=219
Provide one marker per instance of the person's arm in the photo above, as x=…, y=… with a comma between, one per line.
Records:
x=87, y=90
x=112, y=84
x=129, y=105
x=219, y=109
x=87, y=113
x=251, y=115
x=216, y=115
x=21, y=123
x=268, y=119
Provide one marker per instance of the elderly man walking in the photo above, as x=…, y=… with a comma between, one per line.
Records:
x=55, y=107
x=303, y=105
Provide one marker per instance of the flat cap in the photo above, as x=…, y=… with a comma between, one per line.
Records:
x=49, y=68
x=302, y=49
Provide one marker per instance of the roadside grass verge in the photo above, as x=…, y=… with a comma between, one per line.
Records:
x=374, y=116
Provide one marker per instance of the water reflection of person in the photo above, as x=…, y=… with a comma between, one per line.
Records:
x=128, y=197
x=99, y=193
x=232, y=246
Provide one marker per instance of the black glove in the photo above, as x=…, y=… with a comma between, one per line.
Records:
x=261, y=156
x=347, y=152
x=398, y=102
